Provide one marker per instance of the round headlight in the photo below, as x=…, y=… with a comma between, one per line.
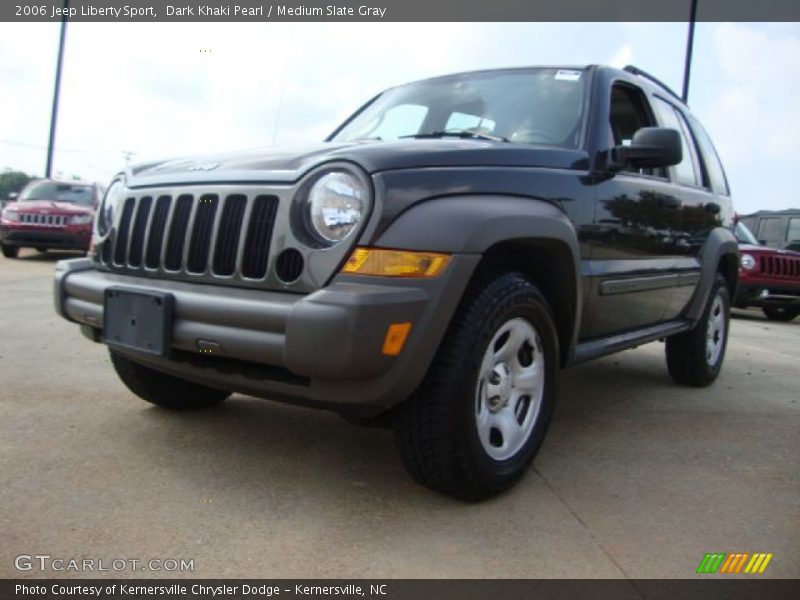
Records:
x=747, y=261
x=336, y=206
x=109, y=206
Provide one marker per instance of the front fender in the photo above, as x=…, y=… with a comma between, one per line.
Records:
x=475, y=224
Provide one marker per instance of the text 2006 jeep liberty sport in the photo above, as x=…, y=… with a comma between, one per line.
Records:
x=432, y=264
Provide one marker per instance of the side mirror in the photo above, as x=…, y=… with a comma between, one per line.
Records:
x=651, y=147
x=12, y=196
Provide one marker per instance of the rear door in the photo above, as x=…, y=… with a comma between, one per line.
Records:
x=698, y=211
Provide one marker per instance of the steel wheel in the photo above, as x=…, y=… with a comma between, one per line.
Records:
x=715, y=331
x=510, y=387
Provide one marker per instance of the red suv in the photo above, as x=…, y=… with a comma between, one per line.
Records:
x=768, y=278
x=50, y=214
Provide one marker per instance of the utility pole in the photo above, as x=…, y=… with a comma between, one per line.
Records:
x=687, y=66
x=56, y=93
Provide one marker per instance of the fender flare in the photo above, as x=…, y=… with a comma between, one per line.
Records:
x=720, y=242
x=473, y=224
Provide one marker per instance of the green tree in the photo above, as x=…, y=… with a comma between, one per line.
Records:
x=12, y=181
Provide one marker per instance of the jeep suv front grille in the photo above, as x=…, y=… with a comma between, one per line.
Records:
x=44, y=220
x=210, y=234
x=780, y=266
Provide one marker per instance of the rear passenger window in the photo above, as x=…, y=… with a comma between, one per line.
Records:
x=711, y=162
x=685, y=172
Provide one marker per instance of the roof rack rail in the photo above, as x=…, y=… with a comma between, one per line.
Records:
x=637, y=71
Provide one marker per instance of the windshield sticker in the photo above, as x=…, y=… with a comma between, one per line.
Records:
x=568, y=75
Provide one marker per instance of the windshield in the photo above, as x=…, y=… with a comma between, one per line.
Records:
x=59, y=192
x=531, y=106
x=744, y=235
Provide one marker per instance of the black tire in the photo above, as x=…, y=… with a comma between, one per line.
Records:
x=689, y=360
x=437, y=428
x=10, y=251
x=781, y=313
x=162, y=389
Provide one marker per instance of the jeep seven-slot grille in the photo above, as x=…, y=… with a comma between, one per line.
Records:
x=780, y=266
x=45, y=220
x=213, y=234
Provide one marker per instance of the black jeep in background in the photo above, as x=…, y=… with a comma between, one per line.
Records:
x=432, y=264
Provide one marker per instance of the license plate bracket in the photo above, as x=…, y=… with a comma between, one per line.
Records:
x=138, y=320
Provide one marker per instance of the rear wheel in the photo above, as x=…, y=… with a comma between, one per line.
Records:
x=10, y=251
x=781, y=313
x=474, y=425
x=162, y=389
x=695, y=357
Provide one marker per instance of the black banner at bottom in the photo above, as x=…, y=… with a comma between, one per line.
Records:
x=399, y=589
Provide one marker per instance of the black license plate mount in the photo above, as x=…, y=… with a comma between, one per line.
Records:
x=138, y=320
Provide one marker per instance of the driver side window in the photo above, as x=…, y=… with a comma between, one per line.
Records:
x=629, y=113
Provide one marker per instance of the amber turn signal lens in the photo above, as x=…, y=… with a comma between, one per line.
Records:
x=395, y=339
x=395, y=263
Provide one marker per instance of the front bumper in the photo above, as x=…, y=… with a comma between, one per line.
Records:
x=321, y=349
x=46, y=238
x=767, y=294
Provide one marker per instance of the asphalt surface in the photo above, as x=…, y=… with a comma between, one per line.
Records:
x=638, y=477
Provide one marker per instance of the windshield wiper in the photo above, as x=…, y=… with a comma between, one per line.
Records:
x=460, y=133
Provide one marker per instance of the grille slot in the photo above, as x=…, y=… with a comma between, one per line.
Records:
x=155, y=242
x=121, y=249
x=228, y=235
x=200, y=242
x=259, y=236
x=139, y=228
x=177, y=233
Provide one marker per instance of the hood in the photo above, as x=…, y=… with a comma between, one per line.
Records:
x=750, y=248
x=284, y=165
x=50, y=207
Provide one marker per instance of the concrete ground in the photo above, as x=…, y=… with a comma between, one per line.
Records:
x=638, y=477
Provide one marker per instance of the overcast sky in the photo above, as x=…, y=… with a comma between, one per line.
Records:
x=161, y=90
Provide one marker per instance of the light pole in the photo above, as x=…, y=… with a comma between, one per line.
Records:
x=687, y=66
x=56, y=93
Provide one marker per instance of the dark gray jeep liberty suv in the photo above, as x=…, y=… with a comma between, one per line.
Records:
x=431, y=265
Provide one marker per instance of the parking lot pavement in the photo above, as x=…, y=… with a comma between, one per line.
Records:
x=638, y=477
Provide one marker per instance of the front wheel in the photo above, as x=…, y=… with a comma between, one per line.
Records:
x=695, y=357
x=474, y=425
x=10, y=251
x=781, y=313
x=162, y=389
